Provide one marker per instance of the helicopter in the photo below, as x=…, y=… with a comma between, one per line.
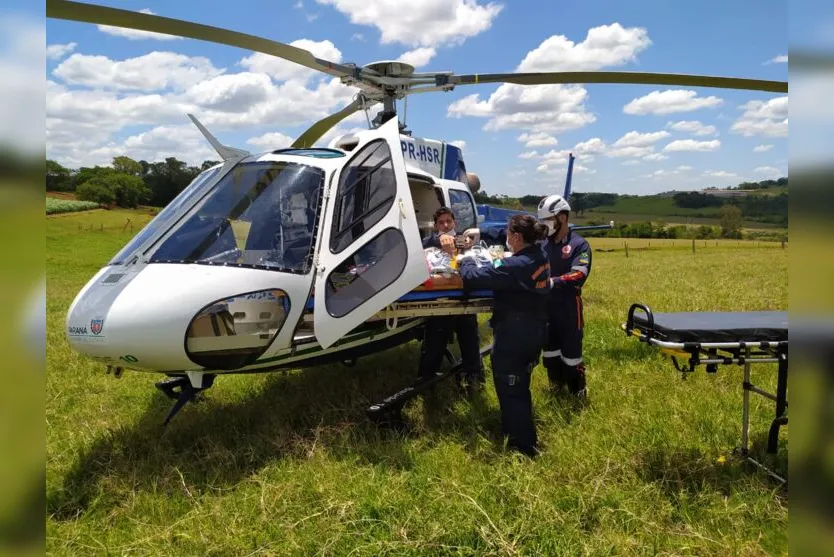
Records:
x=299, y=256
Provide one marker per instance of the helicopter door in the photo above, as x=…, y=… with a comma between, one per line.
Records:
x=371, y=252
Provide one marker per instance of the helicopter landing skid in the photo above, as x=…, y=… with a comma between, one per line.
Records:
x=389, y=411
x=182, y=391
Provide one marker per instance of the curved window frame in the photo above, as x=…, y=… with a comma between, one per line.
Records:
x=380, y=209
x=251, y=359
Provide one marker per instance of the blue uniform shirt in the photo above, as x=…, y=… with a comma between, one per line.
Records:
x=432, y=241
x=570, y=263
x=520, y=283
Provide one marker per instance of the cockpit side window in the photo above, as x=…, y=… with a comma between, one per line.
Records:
x=261, y=214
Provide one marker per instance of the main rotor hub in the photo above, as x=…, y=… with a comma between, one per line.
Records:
x=391, y=68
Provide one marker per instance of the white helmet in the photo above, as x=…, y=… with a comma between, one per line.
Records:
x=552, y=205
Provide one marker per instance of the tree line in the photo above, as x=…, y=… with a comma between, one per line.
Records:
x=771, y=209
x=126, y=183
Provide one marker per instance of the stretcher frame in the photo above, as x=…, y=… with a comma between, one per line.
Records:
x=713, y=354
x=430, y=303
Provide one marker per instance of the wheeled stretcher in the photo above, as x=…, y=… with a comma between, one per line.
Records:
x=716, y=338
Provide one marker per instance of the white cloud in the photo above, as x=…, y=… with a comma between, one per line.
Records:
x=691, y=126
x=586, y=148
x=720, y=174
x=637, y=139
x=283, y=70
x=553, y=109
x=762, y=148
x=631, y=162
x=358, y=37
x=668, y=102
x=781, y=59
x=461, y=144
x=58, y=51
x=683, y=168
x=529, y=155
x=655, y=157
x=763, y=118
x=636, y=144
x=538, y=140
x=135, y=34
x=772, y=170
x=693, y=145
x=418, y=57
x=231, y=93
x=271, y=141
x=544, y=108
x=432, y=23
x=150, y=72
x=606, y=45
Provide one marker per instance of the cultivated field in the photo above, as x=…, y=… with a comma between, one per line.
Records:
x=287, y=464
x=56, y=205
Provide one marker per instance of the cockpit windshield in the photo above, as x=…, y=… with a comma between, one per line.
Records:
x=261, y=214
x=165, y=217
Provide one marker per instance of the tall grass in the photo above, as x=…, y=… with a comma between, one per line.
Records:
x=288, y=464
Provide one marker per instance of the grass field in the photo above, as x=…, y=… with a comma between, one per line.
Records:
x=287, y=463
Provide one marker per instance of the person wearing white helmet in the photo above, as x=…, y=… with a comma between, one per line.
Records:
x=569, y=256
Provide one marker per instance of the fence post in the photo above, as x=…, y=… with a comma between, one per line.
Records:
x=125, y=226
x=693, y=245
x=626, y=248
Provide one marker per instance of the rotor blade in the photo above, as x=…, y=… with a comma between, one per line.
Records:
x=637, y=78
x=314, y=132
x=90, y=13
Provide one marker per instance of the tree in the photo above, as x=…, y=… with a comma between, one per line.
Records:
x=58, y=178
x=127, y=165
x=107, y=185
x=731, y=219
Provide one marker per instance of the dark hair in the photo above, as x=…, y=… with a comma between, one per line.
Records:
x=443, y=211
x=530, y=229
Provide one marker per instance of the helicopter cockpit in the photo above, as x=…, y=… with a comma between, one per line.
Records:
x=261, y=214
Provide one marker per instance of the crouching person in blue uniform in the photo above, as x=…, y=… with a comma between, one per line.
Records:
x=569, y=256
x=438, y=330
x=520, y=284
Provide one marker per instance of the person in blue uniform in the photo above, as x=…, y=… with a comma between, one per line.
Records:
x=438, y=331
x=520, y=284
x=569, y=256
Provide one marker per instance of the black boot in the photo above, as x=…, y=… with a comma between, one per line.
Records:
x=556, y=375
x=576, y=381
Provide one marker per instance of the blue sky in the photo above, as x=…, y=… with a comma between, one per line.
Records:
x=109, y=94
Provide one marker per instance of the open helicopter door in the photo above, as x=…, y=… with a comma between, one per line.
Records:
x=371, y=252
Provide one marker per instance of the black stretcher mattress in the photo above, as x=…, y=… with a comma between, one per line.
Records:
x=716, y=326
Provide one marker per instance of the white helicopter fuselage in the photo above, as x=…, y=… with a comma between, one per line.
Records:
x=272, y=260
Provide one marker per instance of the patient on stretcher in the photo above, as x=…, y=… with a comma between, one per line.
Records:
x=443, y=269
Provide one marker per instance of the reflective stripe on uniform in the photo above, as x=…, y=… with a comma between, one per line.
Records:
x=551, y=353
x=572, y=361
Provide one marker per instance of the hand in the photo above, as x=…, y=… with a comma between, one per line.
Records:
x=552, y=282
x=447, y=243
